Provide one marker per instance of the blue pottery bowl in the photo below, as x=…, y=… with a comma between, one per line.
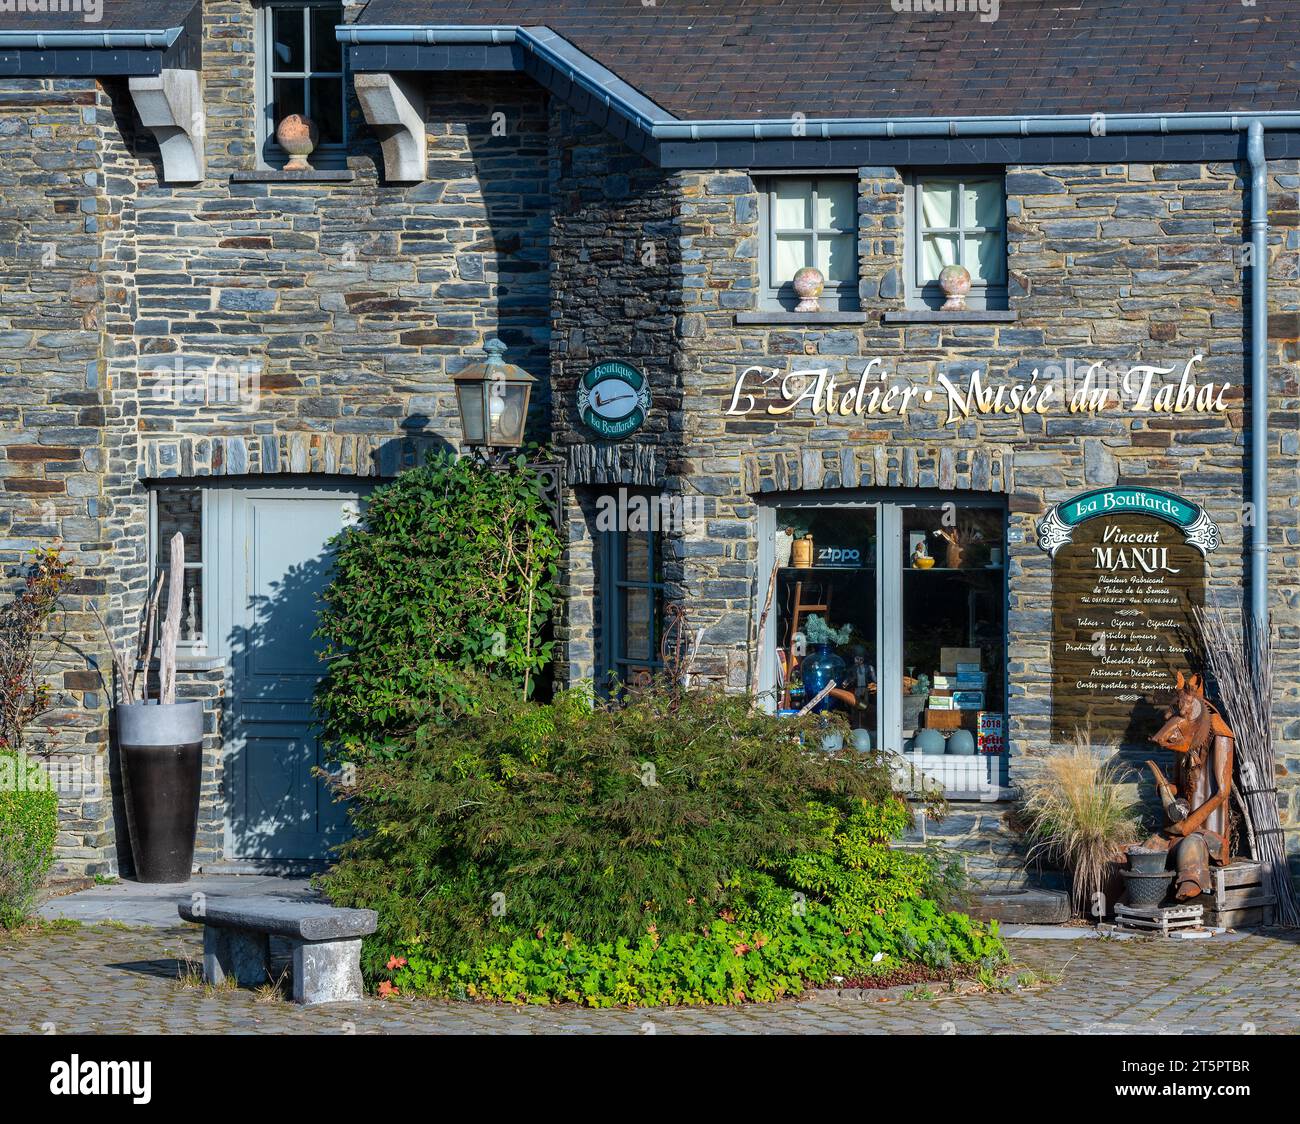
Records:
x=962, y=743
x=928, y=741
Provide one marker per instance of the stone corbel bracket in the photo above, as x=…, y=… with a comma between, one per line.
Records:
x=170, y=105
x=394, y=108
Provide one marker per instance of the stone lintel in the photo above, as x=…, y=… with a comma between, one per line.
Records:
x=394, y=108
x=170, y=105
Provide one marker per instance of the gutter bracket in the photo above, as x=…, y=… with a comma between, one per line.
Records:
x=170, y=105
x=394, y=108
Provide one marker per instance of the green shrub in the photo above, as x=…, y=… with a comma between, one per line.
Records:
x=28, y=827
x=724, y=963
x=451, y=569
x=859, y=875
x=585, y=818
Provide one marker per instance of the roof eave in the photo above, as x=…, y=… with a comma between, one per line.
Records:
x=773, y=142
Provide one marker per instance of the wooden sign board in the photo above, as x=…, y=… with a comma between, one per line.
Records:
x=1126, y=579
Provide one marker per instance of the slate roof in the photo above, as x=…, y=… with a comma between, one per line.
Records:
x=117, y=15
x=859, y=58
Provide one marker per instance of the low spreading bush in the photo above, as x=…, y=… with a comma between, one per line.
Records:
x=857, y=874
x=679, y=847
x=28, y=826
x=587, y=818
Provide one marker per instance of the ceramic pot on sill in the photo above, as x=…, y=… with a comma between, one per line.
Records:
x=297, y=135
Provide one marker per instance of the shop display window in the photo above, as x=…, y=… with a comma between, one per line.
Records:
x=900, y=608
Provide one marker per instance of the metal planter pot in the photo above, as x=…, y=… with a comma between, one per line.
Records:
x=162, y=764
x=1142, y=861
x=1145, y=891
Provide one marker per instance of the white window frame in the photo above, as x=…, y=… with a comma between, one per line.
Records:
x=269, y=153
x=980, y=777
x=982, y=295
x=839, y=296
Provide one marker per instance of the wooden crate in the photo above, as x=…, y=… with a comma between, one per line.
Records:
x=1241, y=897
x=1159, y=919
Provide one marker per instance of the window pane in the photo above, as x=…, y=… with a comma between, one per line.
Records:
x=954, y=647
x=983, y=203
x=938, y=203
x=983, y=257
x=792, y=254
x=938, y=250
x=837, y=257
x=290, y=97
x=840, y=572
x=180, y=509
x=837, y=205
x=327, y=109
x=324, y=47
x=286, y=49
x=793, y=208
x=636, y=624
x=639, y=561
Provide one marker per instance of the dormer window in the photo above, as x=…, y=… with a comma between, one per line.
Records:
x=300, y=70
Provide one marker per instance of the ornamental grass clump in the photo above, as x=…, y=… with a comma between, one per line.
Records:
x=1078, y=816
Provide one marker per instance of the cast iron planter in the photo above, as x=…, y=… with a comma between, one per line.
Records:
x=1145, y=891
x=162, y=762
x=1142, y=861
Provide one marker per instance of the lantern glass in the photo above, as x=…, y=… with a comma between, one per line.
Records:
x=470, y=398
x=507, y=412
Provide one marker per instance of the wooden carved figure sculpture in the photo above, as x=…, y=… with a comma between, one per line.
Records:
x=1197, y=825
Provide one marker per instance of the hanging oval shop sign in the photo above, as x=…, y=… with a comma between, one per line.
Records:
x=614, y=399
x=1056, y=528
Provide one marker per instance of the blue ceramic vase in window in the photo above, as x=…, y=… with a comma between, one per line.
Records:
x=819, y=667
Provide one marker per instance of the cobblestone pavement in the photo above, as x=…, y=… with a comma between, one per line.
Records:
x=101, y=979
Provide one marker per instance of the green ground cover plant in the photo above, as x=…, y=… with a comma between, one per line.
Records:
x=28, y=804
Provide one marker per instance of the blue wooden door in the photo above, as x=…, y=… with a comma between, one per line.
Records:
x=277, y=565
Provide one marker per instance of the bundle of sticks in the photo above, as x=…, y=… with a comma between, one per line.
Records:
x=1241, y=660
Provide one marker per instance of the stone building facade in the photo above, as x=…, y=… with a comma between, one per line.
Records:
x=257, y=332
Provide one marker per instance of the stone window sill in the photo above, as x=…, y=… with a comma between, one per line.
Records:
x=934, y=316
x=806, y=319
x=194, y=663
x=279, y=175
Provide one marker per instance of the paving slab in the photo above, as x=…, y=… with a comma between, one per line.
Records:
x=101, y=979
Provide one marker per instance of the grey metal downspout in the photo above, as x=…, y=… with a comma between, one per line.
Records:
x=1258, y=377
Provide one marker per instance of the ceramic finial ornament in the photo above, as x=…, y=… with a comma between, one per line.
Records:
x=297, y=136
x=954, y=280
x=808, y=285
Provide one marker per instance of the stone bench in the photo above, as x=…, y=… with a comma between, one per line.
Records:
x=326, y=943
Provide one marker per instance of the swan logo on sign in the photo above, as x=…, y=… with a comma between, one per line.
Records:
x=614, y=399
